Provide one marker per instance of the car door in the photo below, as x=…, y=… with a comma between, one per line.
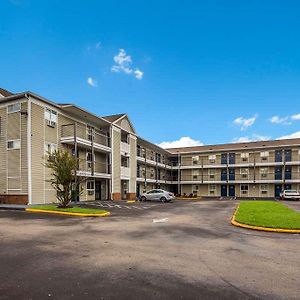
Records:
x=150, y=195
x=159, y=194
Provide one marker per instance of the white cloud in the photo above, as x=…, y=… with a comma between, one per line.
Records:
x=245, y=123
x=279, y=120
x=295, y=135
x=123, y=64
x=184, y=141
x=253, y=138
x=92, y=82
x=295, y=117
x=138, y=74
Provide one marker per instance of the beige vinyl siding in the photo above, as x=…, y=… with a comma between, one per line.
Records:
x=37, y=153
x=116, y=167
x=24, y=152
x=133, y=165
x=14, y=155
x=3, y=151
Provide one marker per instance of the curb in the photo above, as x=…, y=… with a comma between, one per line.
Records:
x=267, y=229
x=181, y=198
x=67, y=213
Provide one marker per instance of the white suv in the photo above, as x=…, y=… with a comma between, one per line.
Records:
x=290, y=195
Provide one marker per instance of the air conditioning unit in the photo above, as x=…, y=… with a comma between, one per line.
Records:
x=244, y=175
x=90, y=193
x=51, y=123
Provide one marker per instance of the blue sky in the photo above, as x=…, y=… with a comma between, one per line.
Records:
x=208, y=71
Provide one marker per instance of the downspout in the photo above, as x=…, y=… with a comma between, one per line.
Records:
x=29, y=149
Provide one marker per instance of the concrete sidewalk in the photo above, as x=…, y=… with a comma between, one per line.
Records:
x=13, y=206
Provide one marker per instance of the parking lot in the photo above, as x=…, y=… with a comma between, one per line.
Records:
x=180, y=250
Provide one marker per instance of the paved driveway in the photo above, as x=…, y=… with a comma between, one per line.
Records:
x=190, y=252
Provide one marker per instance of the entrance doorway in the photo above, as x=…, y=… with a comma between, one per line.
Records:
x=223, y=190
x=97, y=190
x=278, y=189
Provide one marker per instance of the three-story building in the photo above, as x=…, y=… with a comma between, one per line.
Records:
x=118, y=164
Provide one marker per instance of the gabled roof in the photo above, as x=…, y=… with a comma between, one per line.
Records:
x=113, y=118
x=5, y=93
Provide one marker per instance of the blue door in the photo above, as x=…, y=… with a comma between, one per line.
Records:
x=278, y=190
x=278, y=173
x=231, y=174
x=288, y=172
x=224, y=190
x=288, y=155
x=231, y=190
x=278, y=156
x=231, y=158
x=224, y=174
x=224, y=158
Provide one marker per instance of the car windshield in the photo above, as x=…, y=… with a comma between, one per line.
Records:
x=291, y=191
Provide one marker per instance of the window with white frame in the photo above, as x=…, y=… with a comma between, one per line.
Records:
x=244, y=173
x=212, y=158
x=195, y=160
x=195, y=174
x=264, y=155
x=90, y=132
x=50, y=148
x=245, y=157
x=211, y=173
x=13, y=144
x=212, y=189
x=244, y=189
x=264, y=189
x=51, y=116
x=13, y=108
x=89, y=159
x=264, y=172
x=90, y=187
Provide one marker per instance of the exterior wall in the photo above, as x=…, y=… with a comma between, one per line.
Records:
x=133, y=166
x=37, y=153
x=116, y=163
x=3, y=151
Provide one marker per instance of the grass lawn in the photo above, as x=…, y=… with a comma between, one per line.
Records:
x=72, y=210
x=267, y=214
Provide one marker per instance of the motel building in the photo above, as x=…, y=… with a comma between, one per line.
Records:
x=118, y=164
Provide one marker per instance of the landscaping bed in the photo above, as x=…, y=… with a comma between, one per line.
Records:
x=267, y=214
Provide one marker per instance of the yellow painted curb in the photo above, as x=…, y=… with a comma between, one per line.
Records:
x=67, y=213
x=130, y=201
x=267, y=229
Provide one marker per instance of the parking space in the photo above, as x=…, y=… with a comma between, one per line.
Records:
x=180, y=250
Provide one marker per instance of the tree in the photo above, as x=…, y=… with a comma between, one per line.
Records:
x=64, y=180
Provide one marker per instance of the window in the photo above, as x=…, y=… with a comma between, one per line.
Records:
x=244, y=189
x=264, y=155
x=264, y=172
x=51, y=116
x=211, y=173
x=244, y=173
x=13, y=144
x=245, y=157
x=195, y=174
x=195, y=160
x=90, y=187
x=212, y=158
x=13, y=108
x=212, y=188
x=90, y=132
x=264, y=189
x=50, y=148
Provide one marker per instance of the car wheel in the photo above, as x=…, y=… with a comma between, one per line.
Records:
x=163, y=199
x=143, y=198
